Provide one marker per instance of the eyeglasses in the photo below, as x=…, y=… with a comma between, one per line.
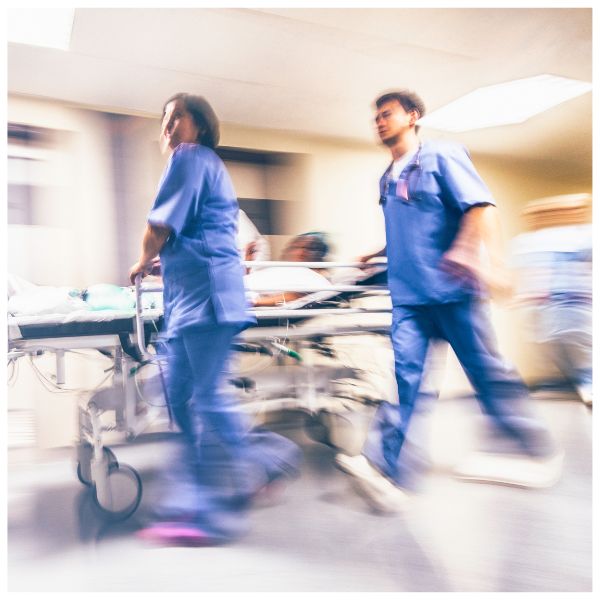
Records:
x=384, y=115
x=387, y=114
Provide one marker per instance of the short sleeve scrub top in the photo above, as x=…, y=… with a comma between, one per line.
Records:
x=201, y=266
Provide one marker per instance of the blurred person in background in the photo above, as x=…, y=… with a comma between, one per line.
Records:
x=306, y=247
x=438, y=213
x=553, y=261
x=221, y=464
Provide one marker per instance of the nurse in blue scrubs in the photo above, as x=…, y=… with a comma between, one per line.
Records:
x=221, y=463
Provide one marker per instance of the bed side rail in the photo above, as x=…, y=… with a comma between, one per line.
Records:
x=278, y=312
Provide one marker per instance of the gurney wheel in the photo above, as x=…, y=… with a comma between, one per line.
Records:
x=84, y=470
x=125, y=487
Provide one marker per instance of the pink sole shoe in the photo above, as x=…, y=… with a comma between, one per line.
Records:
x=175, y=534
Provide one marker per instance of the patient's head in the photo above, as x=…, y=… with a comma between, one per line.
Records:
x=306, y=247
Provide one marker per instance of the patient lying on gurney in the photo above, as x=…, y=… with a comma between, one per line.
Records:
x=307, y=247
x=26, y=298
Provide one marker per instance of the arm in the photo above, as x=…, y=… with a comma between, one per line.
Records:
x=275, y=299
x=480, y=225
x=154, y=239
x=474, y=225
x=172, y=207
x=368, y=257
x=284, y=279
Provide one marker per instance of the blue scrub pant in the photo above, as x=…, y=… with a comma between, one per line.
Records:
x=219, y=462
x=392, y=446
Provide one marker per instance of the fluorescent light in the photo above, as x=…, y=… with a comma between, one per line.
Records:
x=505, y=103
x=48, y=27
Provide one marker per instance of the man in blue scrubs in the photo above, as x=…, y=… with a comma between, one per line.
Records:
x=437, y=213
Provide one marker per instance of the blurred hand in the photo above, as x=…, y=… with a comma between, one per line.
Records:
x=465, y=265
x=366, y=258
x=142, y=269
x=462, y=264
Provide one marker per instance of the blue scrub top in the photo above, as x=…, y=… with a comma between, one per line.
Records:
x=422, y=211
x=201, y=266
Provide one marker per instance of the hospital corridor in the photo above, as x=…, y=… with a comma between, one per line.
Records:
x=308, y=311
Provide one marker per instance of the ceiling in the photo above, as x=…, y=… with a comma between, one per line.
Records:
x=318, y=70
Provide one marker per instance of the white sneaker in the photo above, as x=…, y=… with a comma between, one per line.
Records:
x=511, y=470
x=357, y=466
x=585, y=393
x=378, y=491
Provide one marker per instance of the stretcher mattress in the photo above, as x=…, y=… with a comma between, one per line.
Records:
x=81, y=323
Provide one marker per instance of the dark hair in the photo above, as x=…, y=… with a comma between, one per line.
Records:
x=317, y=245
x=409, y=101
x=204, y=117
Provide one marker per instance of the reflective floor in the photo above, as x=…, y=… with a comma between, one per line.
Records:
x=320, y=536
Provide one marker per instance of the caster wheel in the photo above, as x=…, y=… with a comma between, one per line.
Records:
x=124, y=487
x=84, y=469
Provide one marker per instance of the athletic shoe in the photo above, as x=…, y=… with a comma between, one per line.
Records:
x=379, y=492
x=585, y=393
x=504, y=469
x=357, y=466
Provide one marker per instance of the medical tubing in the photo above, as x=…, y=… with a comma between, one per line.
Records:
x=56, y=388
x=13, y=373
x=287, y=351
x=133, y=370
x=141, y=396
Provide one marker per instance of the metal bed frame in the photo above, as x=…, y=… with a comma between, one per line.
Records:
x=281, y=331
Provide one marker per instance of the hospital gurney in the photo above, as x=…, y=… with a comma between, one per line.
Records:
x=283, y=333
x=117, y=487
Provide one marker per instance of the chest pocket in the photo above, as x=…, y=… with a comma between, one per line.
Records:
x=424, y=189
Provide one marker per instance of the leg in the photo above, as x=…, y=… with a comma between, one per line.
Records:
x=177, y=380
x=181, y=494
x=501, y=392
x=568, y=327
x=252, y=457
x=200, y=481
x=389, y=446
x=236, y=460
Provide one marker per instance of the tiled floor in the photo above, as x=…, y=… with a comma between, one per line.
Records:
x=321, y=537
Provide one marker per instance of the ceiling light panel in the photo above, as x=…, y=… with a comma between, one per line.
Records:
x=47, y=27
x=505, y=103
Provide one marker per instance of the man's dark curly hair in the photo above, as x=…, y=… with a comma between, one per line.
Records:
x=409, y=101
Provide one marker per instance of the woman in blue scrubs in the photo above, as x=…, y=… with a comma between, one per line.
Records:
x=220, y=463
